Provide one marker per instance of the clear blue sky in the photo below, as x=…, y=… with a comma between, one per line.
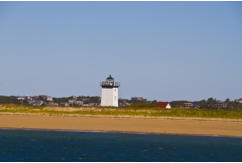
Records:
x=157, y=50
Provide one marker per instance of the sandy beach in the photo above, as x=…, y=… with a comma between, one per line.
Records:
x=162, y=125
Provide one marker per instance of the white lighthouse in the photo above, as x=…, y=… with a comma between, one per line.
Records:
x=109, y=92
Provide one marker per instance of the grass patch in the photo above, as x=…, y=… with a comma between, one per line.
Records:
x=122, y=111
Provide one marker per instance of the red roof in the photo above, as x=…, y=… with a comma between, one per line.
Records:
x=161, y=104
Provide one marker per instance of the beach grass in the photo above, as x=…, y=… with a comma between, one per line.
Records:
x=124, y=111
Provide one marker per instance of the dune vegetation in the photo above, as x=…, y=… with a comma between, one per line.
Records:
x=123, y=111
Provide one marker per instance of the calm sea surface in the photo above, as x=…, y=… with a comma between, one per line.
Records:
x=35, y=145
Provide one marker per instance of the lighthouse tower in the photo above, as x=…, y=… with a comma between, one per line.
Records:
x=109, y=92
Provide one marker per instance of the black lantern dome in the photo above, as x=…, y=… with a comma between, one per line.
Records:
x=110, y=78
x=109, y=83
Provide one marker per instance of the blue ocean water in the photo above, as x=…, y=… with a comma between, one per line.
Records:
x=37, y=145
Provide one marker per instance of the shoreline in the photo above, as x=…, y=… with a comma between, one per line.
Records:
x=124, y=124
x=114, y=132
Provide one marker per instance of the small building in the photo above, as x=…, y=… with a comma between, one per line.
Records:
x=46, y=98
x=75, y=103
x=49, y=98
x=239, y=100
x=20, y=98
x=163, y=105
x=35, y=97
x=74, y=97
x=79, y=103
x=188, y=105
x=37, y=103
x=71, y=102
x=28, y=98
x=220, y=103
x=91, y=104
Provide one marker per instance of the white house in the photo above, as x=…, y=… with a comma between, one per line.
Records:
x=239, y=100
